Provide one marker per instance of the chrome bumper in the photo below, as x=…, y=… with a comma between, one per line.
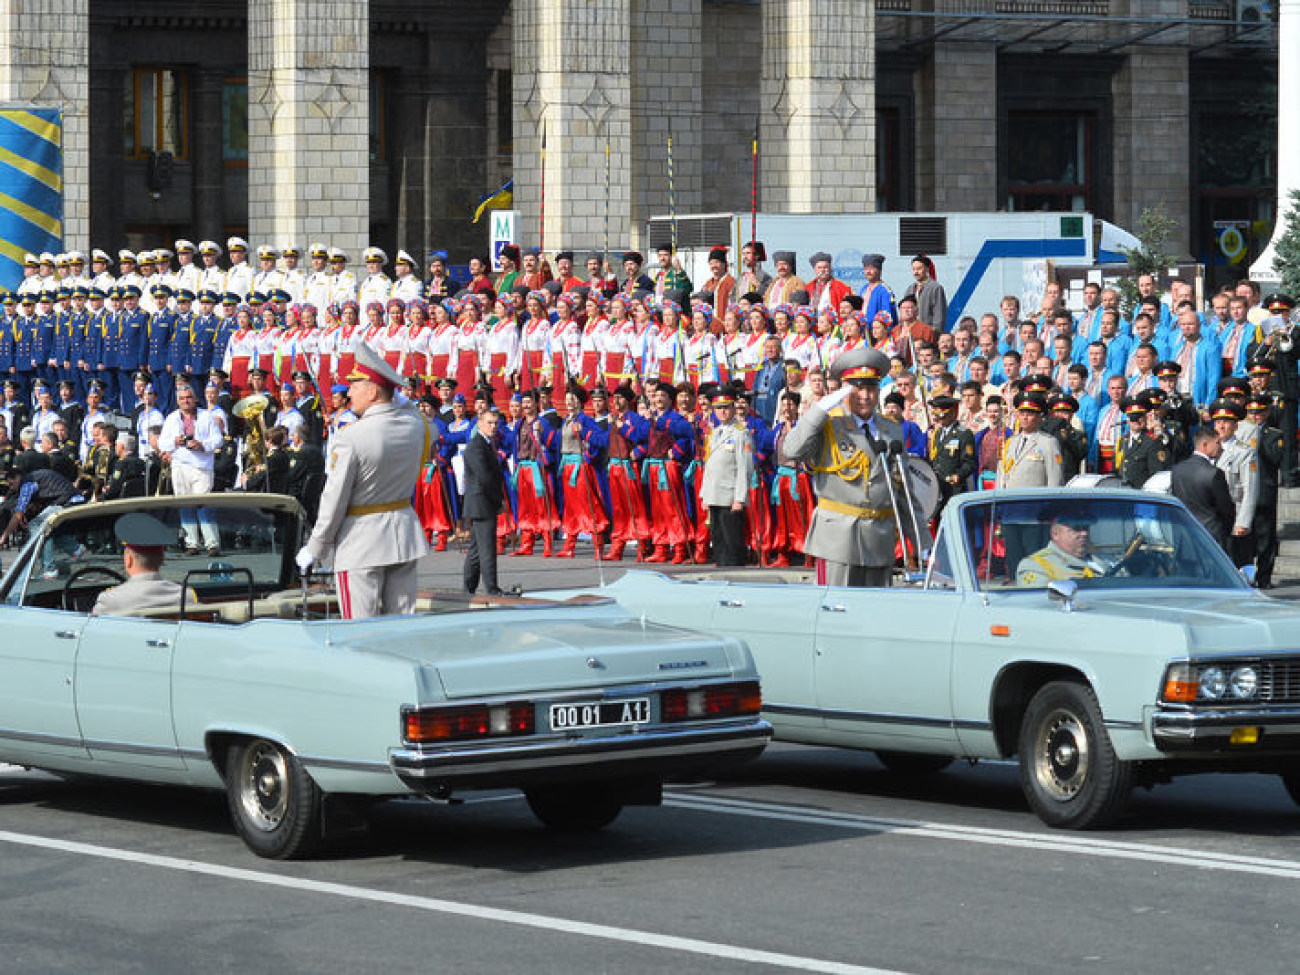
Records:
x=1207, y=730
x=555, y=758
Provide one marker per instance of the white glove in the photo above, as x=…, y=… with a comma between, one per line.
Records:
x=305, y=559
x=832, y=400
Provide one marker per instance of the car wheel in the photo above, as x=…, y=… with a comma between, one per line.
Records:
x=1068, y=768
x=913, y=763
x=274, y=802
x=574, y=809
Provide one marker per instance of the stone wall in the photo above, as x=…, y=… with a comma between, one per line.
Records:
x=45, y=61
x=731, y=58
x=309, y=121
x=956, y=129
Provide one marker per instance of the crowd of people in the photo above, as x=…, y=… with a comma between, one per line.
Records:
x=190, y=369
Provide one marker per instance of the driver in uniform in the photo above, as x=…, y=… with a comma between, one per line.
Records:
x=1068, y=553
x=145, y=540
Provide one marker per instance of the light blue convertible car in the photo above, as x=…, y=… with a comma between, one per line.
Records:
x=248, y=685
x=1100, y=635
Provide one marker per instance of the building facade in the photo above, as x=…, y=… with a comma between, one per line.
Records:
x=386, y=122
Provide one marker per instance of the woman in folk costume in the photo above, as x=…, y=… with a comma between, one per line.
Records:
x=828, y=337
x=620, y=359
x=566, y=341
x=702, y=349
x=391, y=340
x=240, y=352
x=268, y=354
x=595, y=341
x=537, y=445
x=307, y=357
x=629, y=521
x=470, y=342
x=731, y=346
x=535, y=340
x=801, y=344
x=782, y=319
x=792, y=496
x=436, y=500
x=415, y=351
x=668, y=349
x=458, y=432
x=882, y=335
x=442, y=342
x=374, y=325
x=852, y=336
x=346, y=339
x=502, y=349
x=641, y=340
x=584, y=504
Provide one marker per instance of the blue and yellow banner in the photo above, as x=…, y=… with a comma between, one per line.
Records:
x=31, y=186
x=500, y=200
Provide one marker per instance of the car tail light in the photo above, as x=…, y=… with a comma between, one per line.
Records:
x=1182, y=684
x=711, y=701
x=467, y=722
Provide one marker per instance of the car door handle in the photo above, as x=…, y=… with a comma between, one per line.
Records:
x=731, y=603
x=66, y=634
x=833, y=608
x=158, y=644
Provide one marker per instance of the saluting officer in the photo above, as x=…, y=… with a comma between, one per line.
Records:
x=845, y=444
x=1239, y=466
x=366, y=527
x=1069, y=433
x=951, y=448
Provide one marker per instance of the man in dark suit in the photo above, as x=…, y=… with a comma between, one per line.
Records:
x=484, y=495
x=1199, y=484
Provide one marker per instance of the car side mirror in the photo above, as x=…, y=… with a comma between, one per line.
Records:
x=1062, y=591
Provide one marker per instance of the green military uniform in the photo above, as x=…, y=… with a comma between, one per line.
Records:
x=1269, y=453
x=951, y=450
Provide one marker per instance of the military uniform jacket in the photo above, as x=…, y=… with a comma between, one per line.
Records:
x=1267, y=442
x=1052, y=563
x=1031, y=460
x=952, y=451
x=366, y=519
x=727, y=466
x=1241, y=469
x=143, y=592
x=854, y=520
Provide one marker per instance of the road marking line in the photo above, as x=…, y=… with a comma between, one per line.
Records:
x=1052, y=843
x=478, y=912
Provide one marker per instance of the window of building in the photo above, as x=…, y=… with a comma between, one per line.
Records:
x=505, y=114
x=888, y=160
x=378, y=119
x=156, y=112
x=234, y=121
x=1049, y=161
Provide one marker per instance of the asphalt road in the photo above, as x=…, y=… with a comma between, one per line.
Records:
x=808, y=859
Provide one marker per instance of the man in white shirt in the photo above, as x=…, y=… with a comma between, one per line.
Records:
x=190, y=440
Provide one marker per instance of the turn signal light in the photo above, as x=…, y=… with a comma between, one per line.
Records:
x=467, y=722
x=1182, y=684
x=713, y=701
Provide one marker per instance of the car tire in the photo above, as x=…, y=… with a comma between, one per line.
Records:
x=274, y=803
x=1068, y=768
x=574, y=809
x=913, y=763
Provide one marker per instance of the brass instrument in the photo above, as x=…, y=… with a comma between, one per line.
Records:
x=94, y=471
x=250, y=409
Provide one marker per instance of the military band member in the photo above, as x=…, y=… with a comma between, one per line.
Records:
x=367, y=528
x=1239, y=466
x=128, y=470
x=846, y=444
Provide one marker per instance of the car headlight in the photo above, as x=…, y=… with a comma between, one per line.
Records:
x=1244, y=682
x=1213, y=683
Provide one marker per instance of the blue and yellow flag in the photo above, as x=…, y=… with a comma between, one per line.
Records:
x=500, y=200
x=31, y=186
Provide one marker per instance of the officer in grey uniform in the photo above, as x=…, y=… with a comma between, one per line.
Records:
x=366, y=527
x=145, y=540
x=1241, y=469
x=724, y=489
x=1068, y=553
x=845, y=444
x=1031, y=458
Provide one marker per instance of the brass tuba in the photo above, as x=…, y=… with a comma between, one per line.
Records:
x=250, y=409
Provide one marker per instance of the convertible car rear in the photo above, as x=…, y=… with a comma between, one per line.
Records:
x=250, y=685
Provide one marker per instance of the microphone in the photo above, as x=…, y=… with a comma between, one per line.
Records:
x=895, y=448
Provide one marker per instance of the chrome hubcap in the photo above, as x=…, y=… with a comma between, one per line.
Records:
x=263, y=786
x=1062, y=762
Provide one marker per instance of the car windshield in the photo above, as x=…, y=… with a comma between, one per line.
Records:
x=251, y=538
x=1101, y=543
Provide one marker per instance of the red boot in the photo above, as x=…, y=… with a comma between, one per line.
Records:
x=501, y=545
x=442, y=542
x=782, y=561
x=570, y=547
x=546, y=544
x=679, y=554
x=615, y=552
x=701, y=552
x=525, y=544
x=660, y=554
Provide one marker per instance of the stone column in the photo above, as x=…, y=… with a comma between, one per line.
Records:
x=956, y=128
x=667, y=98
x=45, y=62
x=205, y=151
x=818, y=129
x=1152, y=141
x=1288, y=127
x=572, y=78
x=309, y=122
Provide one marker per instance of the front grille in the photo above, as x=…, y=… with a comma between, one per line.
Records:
x=1279, y=681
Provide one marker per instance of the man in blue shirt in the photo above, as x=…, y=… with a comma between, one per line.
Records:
x=770, y=380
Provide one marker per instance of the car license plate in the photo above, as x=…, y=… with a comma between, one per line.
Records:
x=599, y=714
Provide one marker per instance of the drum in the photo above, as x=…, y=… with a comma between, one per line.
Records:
x=1094, y=481
x=1161, y=482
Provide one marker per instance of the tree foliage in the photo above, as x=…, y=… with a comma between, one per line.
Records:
x=1155, y=229
x=1286, y=261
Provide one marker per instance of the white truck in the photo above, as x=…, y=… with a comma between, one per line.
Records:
x=979, y=257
